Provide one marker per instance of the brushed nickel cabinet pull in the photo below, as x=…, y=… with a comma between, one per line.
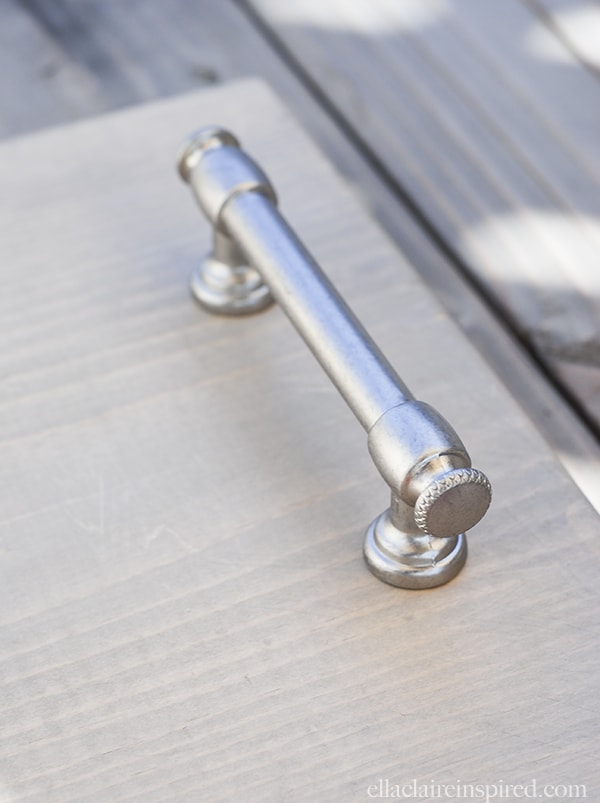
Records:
x=419, y=541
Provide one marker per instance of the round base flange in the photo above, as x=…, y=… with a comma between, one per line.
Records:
x=408, y=560
x=229, y=290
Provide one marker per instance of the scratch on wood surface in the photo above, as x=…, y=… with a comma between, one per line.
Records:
x=163, y=531
x=97, y=525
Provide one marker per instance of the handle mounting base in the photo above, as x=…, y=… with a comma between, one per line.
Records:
x=225, y=284
x=229, y=290
x=408, y=558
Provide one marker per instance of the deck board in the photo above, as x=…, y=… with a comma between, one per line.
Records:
x=577, y=25
x=39, y=84
x=497, y=145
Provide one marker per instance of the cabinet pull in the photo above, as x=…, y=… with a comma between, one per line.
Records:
x=419, y=541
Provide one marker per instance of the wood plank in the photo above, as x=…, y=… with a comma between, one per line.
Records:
x=498, y=149
x=115, y=54
x=39, y=84
x=559, y=93
x=185, y=614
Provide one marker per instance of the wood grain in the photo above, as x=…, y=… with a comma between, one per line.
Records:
x=185, y=613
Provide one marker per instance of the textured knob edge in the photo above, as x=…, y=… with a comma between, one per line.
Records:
x=460, y=498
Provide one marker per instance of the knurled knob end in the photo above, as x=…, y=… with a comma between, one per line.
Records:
x=453, y=503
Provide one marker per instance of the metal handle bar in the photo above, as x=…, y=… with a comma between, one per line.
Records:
x=419, y=541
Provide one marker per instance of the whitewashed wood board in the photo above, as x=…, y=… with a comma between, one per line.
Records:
x=185, y=612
